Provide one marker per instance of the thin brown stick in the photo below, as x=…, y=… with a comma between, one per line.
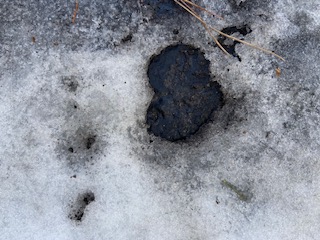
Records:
x=75, y=12
x=278, y=72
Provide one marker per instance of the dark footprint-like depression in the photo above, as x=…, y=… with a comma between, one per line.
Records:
x=185, y=94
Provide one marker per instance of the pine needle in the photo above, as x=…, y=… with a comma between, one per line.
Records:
x=187, y=5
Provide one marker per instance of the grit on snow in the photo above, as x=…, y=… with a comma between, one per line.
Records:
x=77, y=160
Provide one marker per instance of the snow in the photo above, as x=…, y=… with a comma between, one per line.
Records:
x=264, y=141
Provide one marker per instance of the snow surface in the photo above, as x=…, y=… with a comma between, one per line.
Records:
x=251, y=173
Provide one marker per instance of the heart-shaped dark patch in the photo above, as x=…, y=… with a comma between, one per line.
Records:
x=185, y=95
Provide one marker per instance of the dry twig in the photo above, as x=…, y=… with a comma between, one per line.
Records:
x=75, y=12
x=188, y=6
